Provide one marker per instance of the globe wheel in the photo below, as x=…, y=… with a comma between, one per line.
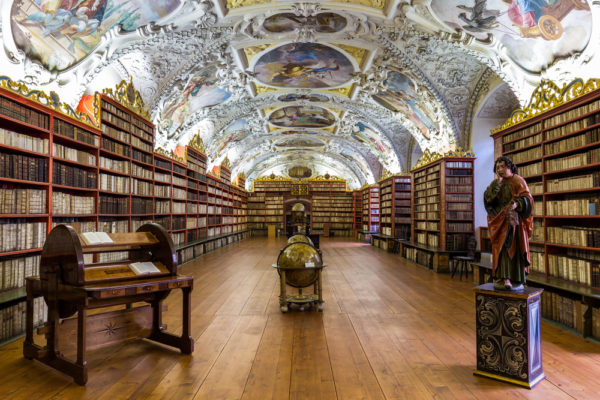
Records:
x=550, y=27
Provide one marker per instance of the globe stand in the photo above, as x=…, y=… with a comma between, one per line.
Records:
x=301, y=299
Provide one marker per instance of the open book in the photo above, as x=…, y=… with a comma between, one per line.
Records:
x=140, y=268
x=92, y=238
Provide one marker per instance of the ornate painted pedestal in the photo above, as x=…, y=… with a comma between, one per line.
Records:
x=508, y=335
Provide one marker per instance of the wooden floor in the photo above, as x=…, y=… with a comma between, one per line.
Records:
x=390, y=330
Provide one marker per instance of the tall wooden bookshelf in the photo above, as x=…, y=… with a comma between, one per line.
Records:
x=442, y=198
x=557, y=151
x=395, y=206
x=358, y=212
x=265, y=204
x=332, y=207
x=370, y=207
x=58, y=167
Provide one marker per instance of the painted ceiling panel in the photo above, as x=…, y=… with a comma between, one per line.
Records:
x=348, y=87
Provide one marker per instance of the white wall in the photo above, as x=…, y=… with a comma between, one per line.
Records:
x=483, y=146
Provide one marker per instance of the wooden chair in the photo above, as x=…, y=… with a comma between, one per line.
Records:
x=462, y=263
x=71, y=286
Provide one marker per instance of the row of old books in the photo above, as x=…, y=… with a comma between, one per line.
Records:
x=19, y=234
x=141, y=206
x=115, y=133
x=72, y=176
x=574, y=161
x=25, y=142
x=459, y=214
x=121, y=166
x=115, y=147
x=67, y=203
x=114, y=205
x=522, y=132
x=573, y=126
x=530, y=154
x=22, y=167
x=139, y=143
x=73, y=132
x=70, y=154
x=457, y=241
x=574, y=236
x=12, y=318
x=530, y=169
x=15, y=110
x=585, y=206
x=14, y=270
x=22, y=201
x=142, y=188
x=573, y=113
x=418, y=256
x=538, y=262
x=576, y=182
x=519, y=144
x=573, y=269
x=115, y=183
x=589, y=137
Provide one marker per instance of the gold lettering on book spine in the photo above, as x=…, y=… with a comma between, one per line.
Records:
x=547, y=96
x=51, y=101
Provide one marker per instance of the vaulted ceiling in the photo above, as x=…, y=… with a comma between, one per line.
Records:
x=346, y=87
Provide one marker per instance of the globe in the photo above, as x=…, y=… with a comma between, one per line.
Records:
x=300, y=239
x=299, y=260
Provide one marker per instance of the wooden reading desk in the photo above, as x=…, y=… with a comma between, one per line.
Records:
x=71, y=286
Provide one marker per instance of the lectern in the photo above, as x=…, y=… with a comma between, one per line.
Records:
x=72, y=286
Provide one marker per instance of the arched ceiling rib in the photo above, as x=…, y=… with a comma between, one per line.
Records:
x=390, y=77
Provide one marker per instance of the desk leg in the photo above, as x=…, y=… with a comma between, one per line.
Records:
x=29, y=316
x=186, y=335
x=81, y=375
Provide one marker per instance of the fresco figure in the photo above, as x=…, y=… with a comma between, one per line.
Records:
x=509, y=205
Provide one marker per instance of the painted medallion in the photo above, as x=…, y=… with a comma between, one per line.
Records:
x=322, y=23
x=302, y=117
x=303, y=65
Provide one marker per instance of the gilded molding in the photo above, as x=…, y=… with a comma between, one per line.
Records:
x=272, y=177
x=326, y=178
x=430, y=157
x=357, y=52
x=126, y=95
x=547, y=96
x=197, y=144
x=51, y=101
x=252, y=51
x=226, y=163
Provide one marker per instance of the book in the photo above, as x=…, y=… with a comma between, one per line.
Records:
x=92, y=238
x=141, y=268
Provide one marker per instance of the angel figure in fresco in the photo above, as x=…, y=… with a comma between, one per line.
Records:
x=481, y=18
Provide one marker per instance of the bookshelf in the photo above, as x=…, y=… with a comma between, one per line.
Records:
x=442, y=198
x=558, y=153
x=265, y=204
x=395, y=207
x=332, y=212
x=370, y=206
x=62, y=169
x=358, y=212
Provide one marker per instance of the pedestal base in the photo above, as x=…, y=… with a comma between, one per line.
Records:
x=508, y=335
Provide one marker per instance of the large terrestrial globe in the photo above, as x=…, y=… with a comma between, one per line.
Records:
x=299, y=260
x=300, y=239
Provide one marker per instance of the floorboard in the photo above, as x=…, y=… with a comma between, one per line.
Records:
x=389, y=330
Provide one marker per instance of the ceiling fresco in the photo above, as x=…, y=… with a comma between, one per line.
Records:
x=346, y=87
x=302, y=117
x=534, y=32
x=58, y=34
x=303, y=65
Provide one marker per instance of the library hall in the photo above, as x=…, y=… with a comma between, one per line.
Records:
x=340, y=199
